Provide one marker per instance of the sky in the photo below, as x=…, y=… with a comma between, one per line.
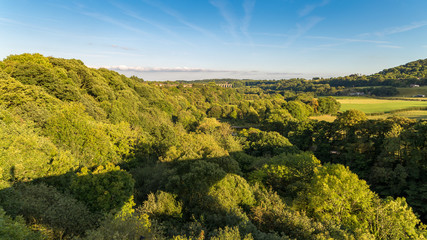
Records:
x=161, y=40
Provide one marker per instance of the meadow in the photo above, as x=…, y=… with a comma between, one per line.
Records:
x=377, y=108
x=410, y=92
x=375, y=105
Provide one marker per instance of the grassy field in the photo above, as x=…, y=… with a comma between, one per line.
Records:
x=380, y=108
x=373, y=105
x=409, y=92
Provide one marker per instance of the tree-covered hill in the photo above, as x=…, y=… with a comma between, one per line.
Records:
x=91, y=154
x=415, y=69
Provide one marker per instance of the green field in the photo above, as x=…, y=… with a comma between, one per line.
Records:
x=409, y=92
x=374, y=105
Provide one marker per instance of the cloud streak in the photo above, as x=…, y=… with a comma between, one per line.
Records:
x=161, y=69
x=389, y=46
x=236, y=25
x=401, y=29
x=309, y=8
x=347, y=39
x=303, y=28
x=180, y=18
x=110, y=20
x=224, y=10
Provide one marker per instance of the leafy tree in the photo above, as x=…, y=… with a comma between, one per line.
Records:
x=230, y=233
x=259, y=143
x=103, y=189
x=16, y=229
x=338, y=196
x=328, y=105
x=130, y=227
x=288, y=174
x=299, y=110
x=230, y=193
x=44, y=207
x=350, y=118
x=161, y=205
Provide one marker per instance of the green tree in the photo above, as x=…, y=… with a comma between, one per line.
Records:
x=16, y=229
x=103, y=189
x=259, y=143
x=328, y=105
x=350, y=118
x=338, y=196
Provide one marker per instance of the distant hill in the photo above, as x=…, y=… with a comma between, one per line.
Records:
x=415, y=69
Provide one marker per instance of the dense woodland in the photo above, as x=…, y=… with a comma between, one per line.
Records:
x=91, y=154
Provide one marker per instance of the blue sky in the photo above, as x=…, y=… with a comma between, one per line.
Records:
x=200, y=39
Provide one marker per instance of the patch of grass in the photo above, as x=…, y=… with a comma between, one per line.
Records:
x=409, y=92
x=327, y=118
x=374, y=105
x=422, y=114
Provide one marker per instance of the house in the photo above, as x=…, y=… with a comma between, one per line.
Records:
x=356, y=94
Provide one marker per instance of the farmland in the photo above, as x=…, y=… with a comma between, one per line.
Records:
x=378, y=108
x=409, y=92
x=374, y=105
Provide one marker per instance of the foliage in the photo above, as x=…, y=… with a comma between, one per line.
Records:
x=77, y=144
x=162, y=205
x=288, y=174
x=259, y=143
x=47, y=209
x=103, y=189
x=328, y=105
x=15, y=229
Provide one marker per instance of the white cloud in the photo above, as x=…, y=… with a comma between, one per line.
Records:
x=186, y=73
x=160, y=69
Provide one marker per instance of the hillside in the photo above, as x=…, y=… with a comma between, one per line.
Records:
x=91, y=154
x=415, y=69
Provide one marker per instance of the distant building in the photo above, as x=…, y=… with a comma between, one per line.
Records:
x=225, y=85
x=420, y=95
x=356, y=94
x=414, y=85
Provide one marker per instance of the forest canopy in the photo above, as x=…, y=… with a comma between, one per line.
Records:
x=91, y=154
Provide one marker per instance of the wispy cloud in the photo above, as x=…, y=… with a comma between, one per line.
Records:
x=8, y=21
x=400, y=29
x=309, y=8
x=236, y=25
x=248, y=7
x=224, y=10
x=161, y=69
x=153, y=23
x=180, y=18
x=303, y=28
x=389, y=46
x=113, y=21
x=347, y=39
x=122, y=47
